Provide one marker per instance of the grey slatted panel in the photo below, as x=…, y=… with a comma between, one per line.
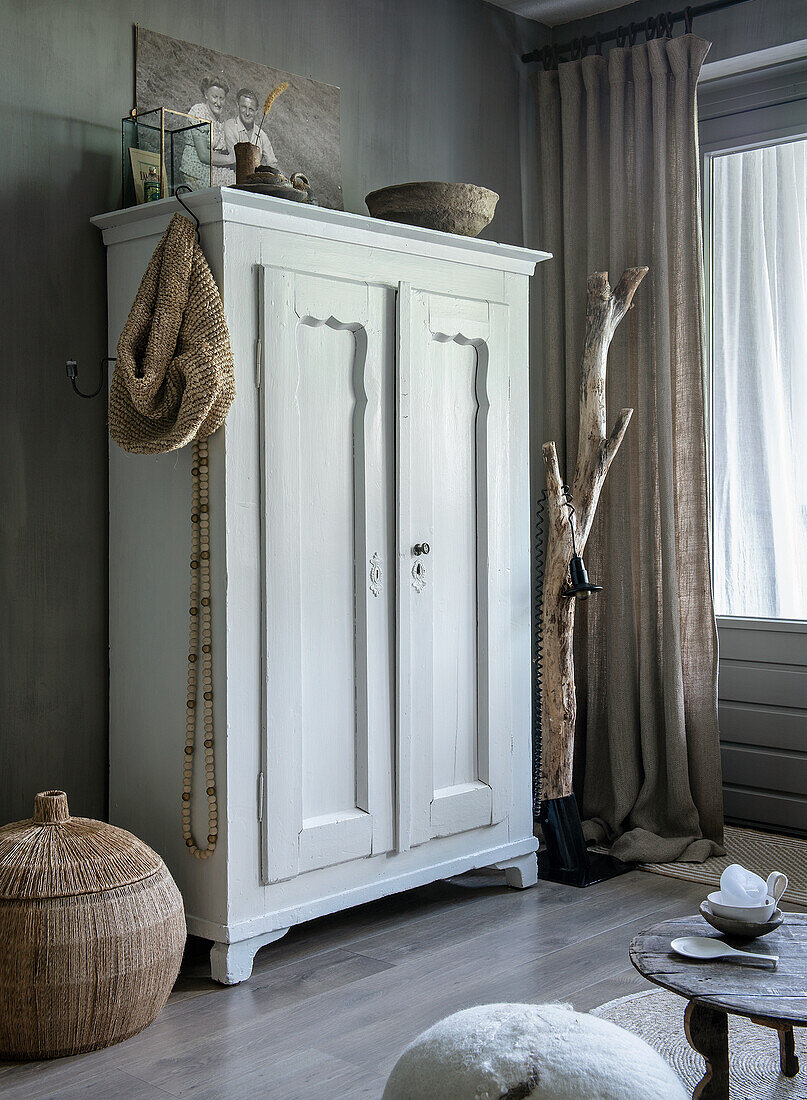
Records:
x=776, y=685
x=781, y=647
x=765, y=808
x=768, y=727
x=765, y=769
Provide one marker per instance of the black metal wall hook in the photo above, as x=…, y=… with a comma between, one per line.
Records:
x=72, y=373
x=183, y=187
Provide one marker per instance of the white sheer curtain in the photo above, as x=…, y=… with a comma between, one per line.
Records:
x=759, y=347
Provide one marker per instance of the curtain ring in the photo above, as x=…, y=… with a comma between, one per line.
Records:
x=598, y=43
x=649, y=28
x=621, y=35
x=584, y=44
x=688, y=13
x=633, y=30
x=546, y=58
x=670, y=22
x=575, y=49
x=661, y=25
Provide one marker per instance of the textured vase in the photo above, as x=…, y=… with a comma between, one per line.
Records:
x=247, y=159
x=92, y=929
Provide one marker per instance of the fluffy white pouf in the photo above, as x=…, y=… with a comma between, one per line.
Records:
x=540, y=1052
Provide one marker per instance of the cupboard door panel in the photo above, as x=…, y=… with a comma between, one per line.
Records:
x=324, y=518
x=453, y=628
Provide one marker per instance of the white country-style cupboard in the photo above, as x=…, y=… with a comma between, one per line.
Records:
x=370, y=556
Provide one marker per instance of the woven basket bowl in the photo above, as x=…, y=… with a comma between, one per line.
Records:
x=92, y=930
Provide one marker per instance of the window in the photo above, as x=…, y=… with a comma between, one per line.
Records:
x=757, y=290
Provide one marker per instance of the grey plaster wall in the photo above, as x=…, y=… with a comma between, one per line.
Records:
x=430, y=90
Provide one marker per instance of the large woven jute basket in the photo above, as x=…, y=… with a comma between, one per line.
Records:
x=92, y=930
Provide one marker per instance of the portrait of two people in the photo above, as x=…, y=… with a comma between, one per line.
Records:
x=242, y=125
x=299, y=133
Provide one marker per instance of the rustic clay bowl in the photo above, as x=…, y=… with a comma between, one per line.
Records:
x=740, y=929
x=266, y=180
x=461, y=208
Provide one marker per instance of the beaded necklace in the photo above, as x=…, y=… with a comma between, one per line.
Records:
x=200, y=625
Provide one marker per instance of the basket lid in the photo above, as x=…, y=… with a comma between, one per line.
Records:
x=55, y=855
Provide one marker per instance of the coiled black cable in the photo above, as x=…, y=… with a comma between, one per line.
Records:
x=537, y=660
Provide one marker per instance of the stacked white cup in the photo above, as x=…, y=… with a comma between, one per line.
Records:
x=744, y=896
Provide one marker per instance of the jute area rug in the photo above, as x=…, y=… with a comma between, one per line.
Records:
x=658, y=1017
x=760, y=852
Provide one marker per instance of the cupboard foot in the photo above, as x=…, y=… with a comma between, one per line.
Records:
x=521, y=872
x=231, y=963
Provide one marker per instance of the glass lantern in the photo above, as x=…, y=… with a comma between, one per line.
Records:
x=175, y=148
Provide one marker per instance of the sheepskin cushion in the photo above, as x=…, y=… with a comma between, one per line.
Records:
x=540, y=1052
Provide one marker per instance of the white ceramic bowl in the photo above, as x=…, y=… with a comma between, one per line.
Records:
x=757, y=914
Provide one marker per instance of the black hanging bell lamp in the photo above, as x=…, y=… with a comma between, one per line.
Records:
x=581, y=587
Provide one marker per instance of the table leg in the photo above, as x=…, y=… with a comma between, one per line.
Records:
x=707, y=1030
x=787, y=1045
x=787, y=1051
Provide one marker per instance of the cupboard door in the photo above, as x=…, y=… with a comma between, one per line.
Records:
x=327, y=346
x=453, y=592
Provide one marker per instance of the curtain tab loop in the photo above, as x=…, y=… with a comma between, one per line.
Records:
x=598, y=44
x=621, y=35
x=664, y=25
x=649, y=28
x=633, y=30
x=688, y=13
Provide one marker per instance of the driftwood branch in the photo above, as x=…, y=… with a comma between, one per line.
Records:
x=595, y=453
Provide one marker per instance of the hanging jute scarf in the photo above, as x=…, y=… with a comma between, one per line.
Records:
x=173, y=384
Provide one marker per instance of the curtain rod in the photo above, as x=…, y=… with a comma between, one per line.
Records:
x=658, y=26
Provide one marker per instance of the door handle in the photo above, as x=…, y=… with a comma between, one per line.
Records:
x=421, y=548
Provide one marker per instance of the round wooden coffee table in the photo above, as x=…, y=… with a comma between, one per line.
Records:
x=772, y=998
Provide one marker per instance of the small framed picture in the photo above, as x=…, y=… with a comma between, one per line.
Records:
x=142, y=162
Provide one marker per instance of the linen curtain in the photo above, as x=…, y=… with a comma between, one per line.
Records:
x=759, y=310
x=619, y=187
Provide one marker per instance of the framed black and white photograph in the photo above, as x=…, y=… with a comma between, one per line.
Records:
x=300, y=132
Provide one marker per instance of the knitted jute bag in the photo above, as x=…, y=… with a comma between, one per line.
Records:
x=173, y=380
x=173, y=384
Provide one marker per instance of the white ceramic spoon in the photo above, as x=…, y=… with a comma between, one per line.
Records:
x=704, y=947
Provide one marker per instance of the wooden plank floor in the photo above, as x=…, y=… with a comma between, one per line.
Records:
x=330, y=1007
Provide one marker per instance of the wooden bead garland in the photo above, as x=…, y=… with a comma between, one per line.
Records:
x=200, y=624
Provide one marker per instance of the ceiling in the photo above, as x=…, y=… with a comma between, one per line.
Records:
x=554, y=12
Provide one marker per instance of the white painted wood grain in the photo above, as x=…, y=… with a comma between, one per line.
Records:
x=318, y=223
x=319, y=461
x=320, y=471
x=458, y=679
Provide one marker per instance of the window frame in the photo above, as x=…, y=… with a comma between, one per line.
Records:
x=780, y=133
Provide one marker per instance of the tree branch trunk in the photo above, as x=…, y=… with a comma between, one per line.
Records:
x=595, y=453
